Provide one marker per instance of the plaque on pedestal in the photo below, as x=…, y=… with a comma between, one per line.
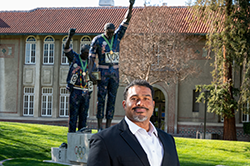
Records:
x=78, y=147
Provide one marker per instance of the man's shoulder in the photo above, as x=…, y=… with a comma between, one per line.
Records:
x=71, y=51
x=98, y=37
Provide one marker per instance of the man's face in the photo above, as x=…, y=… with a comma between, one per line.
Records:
x=109, y=33
x=84, y=55
x=139, y=105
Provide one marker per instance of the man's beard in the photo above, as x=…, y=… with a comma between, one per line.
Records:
x=140, y=118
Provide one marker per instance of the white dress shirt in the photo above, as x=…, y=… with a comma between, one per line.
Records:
x=149, y=142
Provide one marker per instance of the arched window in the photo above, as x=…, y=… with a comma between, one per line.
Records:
x=64, y=59
x=30, y=50
x=48, y=50
x=85, y=40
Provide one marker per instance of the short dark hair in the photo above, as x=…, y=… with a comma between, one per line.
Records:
x=109, y=26
x=85, y=47
x=138, y=82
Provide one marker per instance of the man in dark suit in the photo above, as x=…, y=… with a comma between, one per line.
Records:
x=134, y=141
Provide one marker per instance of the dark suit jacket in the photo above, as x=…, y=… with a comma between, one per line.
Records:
x=117, y=146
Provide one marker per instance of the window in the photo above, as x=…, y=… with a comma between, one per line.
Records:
x=30, y=52
x=47, y=100
x=64, y=103
x=245, y=116
x=64, y=59
x=28, y=101
x=195, y=104
x=48, y=50
x=85, y=40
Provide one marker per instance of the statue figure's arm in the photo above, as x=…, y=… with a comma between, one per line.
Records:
x=91, y=67
x=91, y=63
x=70, y=35
x=66, y=46
x=128, y=14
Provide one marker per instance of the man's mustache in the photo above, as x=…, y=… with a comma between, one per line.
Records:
x=140, y=108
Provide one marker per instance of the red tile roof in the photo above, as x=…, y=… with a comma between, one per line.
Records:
x=90, y=20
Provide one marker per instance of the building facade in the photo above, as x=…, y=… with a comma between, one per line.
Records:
x=33, y=71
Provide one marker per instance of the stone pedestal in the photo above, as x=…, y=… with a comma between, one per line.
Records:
x=78, y=147
x=76, y=153
x=59, y=155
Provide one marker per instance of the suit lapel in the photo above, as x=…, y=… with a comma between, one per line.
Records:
x=165, y=149
x=133, y=143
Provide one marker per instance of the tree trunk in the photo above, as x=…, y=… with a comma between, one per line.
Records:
x=229, y=130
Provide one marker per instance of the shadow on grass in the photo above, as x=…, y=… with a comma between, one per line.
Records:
x=189, y=163
x=17, y=152
x=28, y=162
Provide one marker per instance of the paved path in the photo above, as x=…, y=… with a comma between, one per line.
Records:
x=1, y=162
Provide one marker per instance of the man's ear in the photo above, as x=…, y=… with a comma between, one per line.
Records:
x=124, y=104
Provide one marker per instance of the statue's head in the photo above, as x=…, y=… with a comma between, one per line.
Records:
x=84, y=51
x=109, y=30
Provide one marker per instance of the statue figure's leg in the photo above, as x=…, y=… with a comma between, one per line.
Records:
x=83, y=111
x=99, y=123
x=101, y=95
x=112, y=91
x=74, y=104
x=108, y=123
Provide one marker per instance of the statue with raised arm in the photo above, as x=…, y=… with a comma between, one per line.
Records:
x=79, y=87
x=107, y=47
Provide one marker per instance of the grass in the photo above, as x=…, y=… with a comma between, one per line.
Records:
x=30, y=144
x=196, y=152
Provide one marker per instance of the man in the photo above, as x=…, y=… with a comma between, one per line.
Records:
x=107, y=47
x=135, y=140
x=77, y=84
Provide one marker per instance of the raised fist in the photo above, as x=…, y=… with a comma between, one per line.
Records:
x=71, y=32
x=132, y=2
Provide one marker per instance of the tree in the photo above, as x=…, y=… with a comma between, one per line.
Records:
x=229, y=39
x=155, y=49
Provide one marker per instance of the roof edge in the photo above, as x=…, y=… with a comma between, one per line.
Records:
x=77, y=34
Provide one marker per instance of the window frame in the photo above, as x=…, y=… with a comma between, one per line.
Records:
x=48, y=96
x=64, y=102
x=246, y=117
x=195, y=105
x=30, y=41
x=85, y=40
x=49, y=41
x=29, y=93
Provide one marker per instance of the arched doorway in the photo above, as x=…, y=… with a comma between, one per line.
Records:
x=158, y=117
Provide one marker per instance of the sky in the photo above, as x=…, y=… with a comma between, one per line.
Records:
x=10, y=5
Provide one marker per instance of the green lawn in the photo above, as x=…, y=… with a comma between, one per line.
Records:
x=196, y=152
x=30, y=144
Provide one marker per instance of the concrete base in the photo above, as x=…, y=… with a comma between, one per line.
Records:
x=78, y=147
x=59, y=155
x=76, y=153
